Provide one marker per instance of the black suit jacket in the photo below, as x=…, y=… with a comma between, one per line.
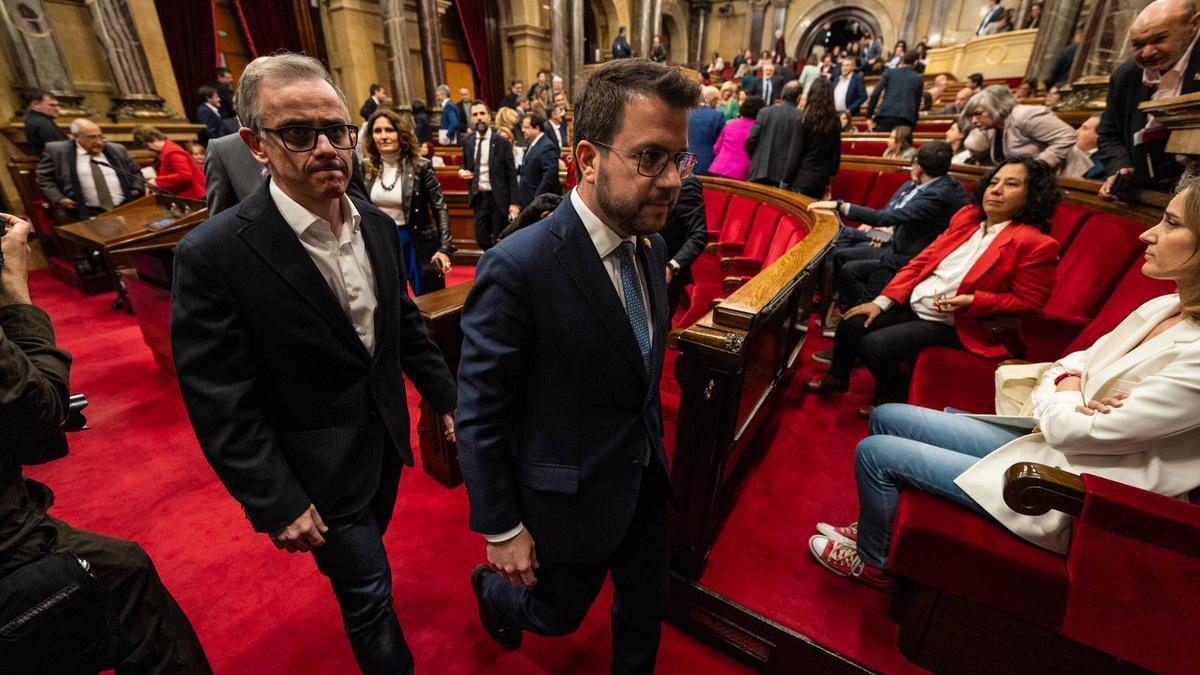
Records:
x=556, y=408
x=288, y=405
x=922, y=219
x=58, y=177
x=769, y=141
x=539, y=171
x=425, y=212
x=904, y=87
x=502, y=169
x=1152, y=165
x=39, y=130
x=686, y=231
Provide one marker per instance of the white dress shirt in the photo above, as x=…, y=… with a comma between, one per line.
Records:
x=484, y=168
x=839, y=92
x=947, y=276
x=343, y=261
x=87, y=185
x=606, y=242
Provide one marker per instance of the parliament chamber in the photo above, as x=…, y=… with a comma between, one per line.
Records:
x=756, y=458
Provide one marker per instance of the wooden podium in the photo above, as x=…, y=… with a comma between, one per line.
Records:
x=156, y=220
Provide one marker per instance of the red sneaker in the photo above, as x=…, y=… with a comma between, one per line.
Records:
x=847, y=534
x=843, y=560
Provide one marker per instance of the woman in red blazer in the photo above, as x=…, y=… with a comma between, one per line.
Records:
x=994, y=258
x=176, y=171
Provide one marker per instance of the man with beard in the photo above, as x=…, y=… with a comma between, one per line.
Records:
x=291, y=331
x=1165, y=63
x=487, y=164
x=560, y=426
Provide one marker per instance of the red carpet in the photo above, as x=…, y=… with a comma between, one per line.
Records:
x=139, y=474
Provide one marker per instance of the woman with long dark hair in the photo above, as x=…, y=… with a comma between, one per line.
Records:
x=816, y=144
x=404, y=185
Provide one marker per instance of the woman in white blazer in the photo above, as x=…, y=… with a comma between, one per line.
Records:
x=1125, y=409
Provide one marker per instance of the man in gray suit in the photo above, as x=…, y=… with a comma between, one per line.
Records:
x=770, y=138
x=88, y=175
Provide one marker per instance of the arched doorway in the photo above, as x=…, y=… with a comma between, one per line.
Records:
x=846, y=24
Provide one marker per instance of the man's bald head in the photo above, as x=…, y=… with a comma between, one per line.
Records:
x=1162, y=32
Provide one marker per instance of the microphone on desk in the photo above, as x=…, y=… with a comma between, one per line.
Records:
x=130, y=174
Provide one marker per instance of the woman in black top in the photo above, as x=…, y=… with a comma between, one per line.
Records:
x=404, y=185
x=816, y=144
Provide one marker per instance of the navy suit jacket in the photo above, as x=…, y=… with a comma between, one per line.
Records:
x=922, y=219
x=556, y=410
x=704, y=126
x=539, y=171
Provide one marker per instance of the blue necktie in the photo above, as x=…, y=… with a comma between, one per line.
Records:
x=632, y=288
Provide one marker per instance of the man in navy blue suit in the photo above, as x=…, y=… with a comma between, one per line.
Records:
x=539, y=170
x=559, y=417
x=704, y=126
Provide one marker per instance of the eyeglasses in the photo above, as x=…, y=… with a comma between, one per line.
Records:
x=302, y=138
x=653, y=161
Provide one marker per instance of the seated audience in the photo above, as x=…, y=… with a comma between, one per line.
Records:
x=208, y=113
x=902, y=103
x=405, y=186
x=816, y=147
x=770, y=138
x=849, y=91
x=87, y=176
x=900, y=144
x=40, y=128
x=704, y=127
x=1165, y=63
x=729, y=104
x=1124, y=409
x=1084, y=161
x=1020, y=130
x=994, y=258
x=731, y=159
x=175, y=172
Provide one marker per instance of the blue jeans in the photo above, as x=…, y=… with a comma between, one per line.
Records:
x=914, y=447
x=356, y=563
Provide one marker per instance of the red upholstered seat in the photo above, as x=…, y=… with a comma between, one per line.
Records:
x=852, y=185
x=1066, y=221
x=886, y=184
x=945, y=377
x=1093, y=263
x=945, y=546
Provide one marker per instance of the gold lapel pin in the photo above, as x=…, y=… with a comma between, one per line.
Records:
x=646, y=242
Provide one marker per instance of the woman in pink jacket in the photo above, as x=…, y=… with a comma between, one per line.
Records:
x=731, y=159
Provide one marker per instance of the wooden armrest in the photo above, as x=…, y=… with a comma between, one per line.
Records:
x=731, y=284
x=1034, y=489
x=739, y=265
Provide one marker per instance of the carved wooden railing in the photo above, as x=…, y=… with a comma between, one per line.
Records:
x=733, y=365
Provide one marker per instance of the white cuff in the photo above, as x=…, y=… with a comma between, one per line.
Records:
x=505, y=536
x=883, y=302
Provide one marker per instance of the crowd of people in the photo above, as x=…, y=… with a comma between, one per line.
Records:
x=302, y=411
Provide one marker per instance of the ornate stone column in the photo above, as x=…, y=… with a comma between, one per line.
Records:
x=1105, y=46
x=432, y=66
x=699, y=27
x=37, y=58
x=937, y=20
x=1055, y=32
x=560, y=38
x=136, y=97
x=395, y=35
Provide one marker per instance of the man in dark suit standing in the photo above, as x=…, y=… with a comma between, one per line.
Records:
x=1165, y=63
x=301, y=409
x=560, y=423
x=770, y=139
x=686, y=234
x=539, y=169
x=88, y=176
x=487, y=164
x=768, y=86
x=704, y=126
x=904, y=87
x=40, y=128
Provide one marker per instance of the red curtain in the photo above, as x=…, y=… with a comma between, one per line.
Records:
x=471, y=16
x=270, y=25
x=189, y=29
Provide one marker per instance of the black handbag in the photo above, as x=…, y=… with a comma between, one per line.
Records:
x=55, y=617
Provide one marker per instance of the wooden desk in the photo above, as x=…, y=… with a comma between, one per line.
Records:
x=142, y=222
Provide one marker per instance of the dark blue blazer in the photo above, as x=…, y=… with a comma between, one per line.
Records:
x=904, y=87
x=922, y=219
x=856, y=93
x=704, y=126
x=539, y=171
x=211, y=121
x=556, y=410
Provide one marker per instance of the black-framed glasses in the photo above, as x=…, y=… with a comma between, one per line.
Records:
x=653, y=161
x=302, y=138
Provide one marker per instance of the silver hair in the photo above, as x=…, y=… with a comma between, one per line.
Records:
x=281, y=67
x=996, y=100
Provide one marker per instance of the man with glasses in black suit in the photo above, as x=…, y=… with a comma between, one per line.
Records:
x=291, y=329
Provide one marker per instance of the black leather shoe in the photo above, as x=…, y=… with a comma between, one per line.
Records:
x=506, y=635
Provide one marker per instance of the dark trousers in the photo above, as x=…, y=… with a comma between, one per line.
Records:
x=564, y=592
x=354, y=560
x=490, y=221
x=895, y=336
x=888, y=123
